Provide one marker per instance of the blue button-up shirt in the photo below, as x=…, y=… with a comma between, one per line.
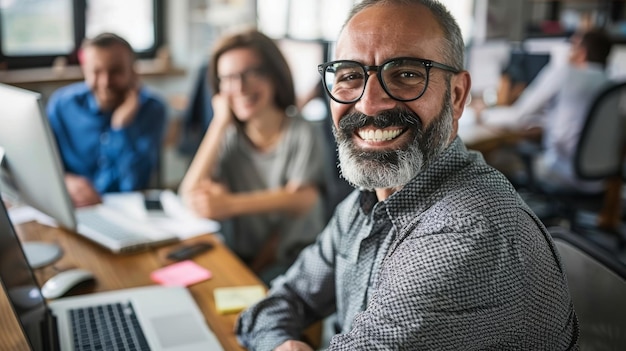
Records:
x=112, y=159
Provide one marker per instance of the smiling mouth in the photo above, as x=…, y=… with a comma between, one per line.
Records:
x=378, y=135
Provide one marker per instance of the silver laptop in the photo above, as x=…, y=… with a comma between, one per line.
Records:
x=32, y=171
x=147, y=318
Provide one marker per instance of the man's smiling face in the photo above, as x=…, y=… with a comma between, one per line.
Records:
x=383, y=142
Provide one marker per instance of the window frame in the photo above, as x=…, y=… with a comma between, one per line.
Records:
x=79, y=21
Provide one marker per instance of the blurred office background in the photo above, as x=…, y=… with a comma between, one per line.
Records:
x=173, y=37
x=38, y=51
x=39, y=41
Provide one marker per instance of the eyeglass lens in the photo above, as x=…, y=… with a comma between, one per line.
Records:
x=249, y=76
x=402, y=79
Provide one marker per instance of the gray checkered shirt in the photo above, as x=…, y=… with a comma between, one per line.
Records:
x=453, y=261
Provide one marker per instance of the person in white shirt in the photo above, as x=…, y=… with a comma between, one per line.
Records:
x=558, y=101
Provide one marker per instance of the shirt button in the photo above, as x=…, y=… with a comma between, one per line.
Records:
x=104, y=138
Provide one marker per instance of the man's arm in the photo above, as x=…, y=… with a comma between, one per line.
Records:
x=132, y=152
x=293, y=345
x=126, y=112
x=79, y=187
x=81, y=190
x=539, y=94
x=305, y=294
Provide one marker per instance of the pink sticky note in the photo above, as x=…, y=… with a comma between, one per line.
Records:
x=182, y=273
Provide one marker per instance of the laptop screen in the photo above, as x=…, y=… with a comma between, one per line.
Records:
x=20, y=285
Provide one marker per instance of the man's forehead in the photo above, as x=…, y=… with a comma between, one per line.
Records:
x=393, y=28
x=114, y=54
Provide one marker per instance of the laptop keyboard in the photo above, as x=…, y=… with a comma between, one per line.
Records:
x=107, y=327
x=98, y=222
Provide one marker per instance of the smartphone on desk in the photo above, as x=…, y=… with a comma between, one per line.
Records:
x=188, y=251
x=152, y=200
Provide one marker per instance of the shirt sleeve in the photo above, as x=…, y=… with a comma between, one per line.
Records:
x=131, y=154
x=303, y=295
x=539, y=94
x=60, y=135
x=574, y=101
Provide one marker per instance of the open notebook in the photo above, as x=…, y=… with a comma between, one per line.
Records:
x=146, y=318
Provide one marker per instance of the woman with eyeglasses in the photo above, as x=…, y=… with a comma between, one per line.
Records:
x=260, y=167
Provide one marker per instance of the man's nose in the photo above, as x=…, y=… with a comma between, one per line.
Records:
x=104, y=80
x=374, y=99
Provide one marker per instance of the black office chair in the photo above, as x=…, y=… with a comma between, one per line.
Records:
x=599, y=156
x=597, y=284
x=198, y=114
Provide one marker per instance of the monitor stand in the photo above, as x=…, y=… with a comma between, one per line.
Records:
x=38, y=254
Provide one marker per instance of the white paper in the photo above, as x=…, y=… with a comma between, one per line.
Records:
x=175, y=217
x=24, y=214
x=190, y=224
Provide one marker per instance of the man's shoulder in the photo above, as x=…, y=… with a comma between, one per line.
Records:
x=479, y=208
x=473, y=182
x=475, y=196
x=150, y=96
x=69, y=92
x=480, y=189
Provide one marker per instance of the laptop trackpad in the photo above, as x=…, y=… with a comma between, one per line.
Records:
x=177, y=330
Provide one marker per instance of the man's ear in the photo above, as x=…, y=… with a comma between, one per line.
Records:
x=460, y=86
x=80, y=55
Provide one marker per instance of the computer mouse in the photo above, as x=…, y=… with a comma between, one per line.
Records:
x=63, y=282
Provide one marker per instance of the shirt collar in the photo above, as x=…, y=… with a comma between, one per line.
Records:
x=92, y=104
x=420, y=192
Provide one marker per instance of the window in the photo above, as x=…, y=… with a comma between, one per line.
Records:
x=34, y=33
x=298, y=19
x=463, y=12
x=133, y=20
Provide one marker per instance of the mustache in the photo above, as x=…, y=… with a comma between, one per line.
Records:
x=396, y=117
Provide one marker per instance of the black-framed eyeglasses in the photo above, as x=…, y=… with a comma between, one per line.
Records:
x=251, y=76
x=403, y=78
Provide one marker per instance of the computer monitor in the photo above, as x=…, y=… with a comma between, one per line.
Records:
x=31, y=165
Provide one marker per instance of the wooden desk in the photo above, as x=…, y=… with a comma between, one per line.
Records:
x=486, y=138
x=117, y=272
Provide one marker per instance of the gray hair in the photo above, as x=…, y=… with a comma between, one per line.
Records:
x=454, y=48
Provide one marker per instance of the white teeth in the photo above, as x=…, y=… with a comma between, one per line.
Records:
x=378, y=134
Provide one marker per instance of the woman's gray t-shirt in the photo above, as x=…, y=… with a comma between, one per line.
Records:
x=299, y=156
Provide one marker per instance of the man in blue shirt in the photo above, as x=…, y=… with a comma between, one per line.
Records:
x=108, y=128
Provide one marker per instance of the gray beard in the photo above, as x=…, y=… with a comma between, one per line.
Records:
x=393, y=168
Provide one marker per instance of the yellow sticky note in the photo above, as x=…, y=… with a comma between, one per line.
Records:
x=236, y=298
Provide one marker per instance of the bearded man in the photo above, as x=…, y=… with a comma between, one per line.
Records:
x=434, y=250
x=110, y=127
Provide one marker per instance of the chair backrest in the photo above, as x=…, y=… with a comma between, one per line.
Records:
x=600, y=151
x=597, y=284
x=198, y=114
